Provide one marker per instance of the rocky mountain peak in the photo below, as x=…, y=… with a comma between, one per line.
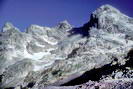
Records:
x=109, y=19
x=34, y=29
x=64, y=25
x=103, y=15
x=99, y=51
x=106, y=9
x=8, y=27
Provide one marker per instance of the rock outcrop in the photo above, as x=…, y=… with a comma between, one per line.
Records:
x=63, y=57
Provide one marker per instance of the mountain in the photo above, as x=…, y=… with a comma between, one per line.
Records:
x=65, y=57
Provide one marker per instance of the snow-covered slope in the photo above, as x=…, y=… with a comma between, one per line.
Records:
x=45, y=56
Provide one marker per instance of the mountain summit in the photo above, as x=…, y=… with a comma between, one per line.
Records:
x=64, y=57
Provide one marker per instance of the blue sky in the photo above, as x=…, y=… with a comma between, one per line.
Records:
x=23, y=13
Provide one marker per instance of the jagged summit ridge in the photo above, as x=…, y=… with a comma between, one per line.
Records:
x=106, y=9
x=53, y=56
x=110, y=19
x=64, y=25
x=9, y=27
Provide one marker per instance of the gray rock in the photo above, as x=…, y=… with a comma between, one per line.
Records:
x=44, y=56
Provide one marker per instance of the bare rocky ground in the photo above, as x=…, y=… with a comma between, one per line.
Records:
x=98, y=55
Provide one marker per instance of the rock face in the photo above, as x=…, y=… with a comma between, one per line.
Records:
x=43, y=57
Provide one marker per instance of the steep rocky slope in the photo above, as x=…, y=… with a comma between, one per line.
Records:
x=43, y=57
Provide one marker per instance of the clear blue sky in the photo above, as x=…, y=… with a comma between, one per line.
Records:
x=22, y=13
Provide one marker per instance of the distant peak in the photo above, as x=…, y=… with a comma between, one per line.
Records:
x=9, y=27
x=64, y=25
x=106, y=14
x=34, y=28
x=105, y=9
x=65, y=22
x=109, y=7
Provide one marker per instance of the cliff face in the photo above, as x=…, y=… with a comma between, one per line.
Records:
x=100, y=50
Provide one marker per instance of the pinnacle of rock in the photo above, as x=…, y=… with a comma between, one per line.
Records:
x=64, y=25
x=9, y=27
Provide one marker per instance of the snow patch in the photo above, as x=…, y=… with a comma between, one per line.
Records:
x=48, y=40
x=37, y=56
